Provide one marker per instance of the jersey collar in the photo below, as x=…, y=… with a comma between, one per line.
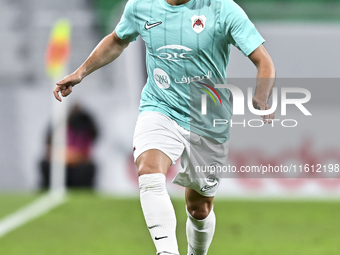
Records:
x=177, y=8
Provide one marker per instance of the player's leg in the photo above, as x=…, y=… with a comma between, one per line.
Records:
x=153, y=161
x=201, y=188
x=157, y=146
x=156, y=205
x=201, y=222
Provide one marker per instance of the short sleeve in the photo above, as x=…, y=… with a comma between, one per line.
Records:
x=242, y=32
x=126, y=28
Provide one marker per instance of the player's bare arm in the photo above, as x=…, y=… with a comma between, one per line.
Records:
x=265, y=80
x=108, y=49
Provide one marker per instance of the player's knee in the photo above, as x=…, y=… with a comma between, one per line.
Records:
x=148, y=169
x=199, y=211
x=153, y=162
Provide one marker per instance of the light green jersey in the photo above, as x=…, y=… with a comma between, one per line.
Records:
x=186, y=45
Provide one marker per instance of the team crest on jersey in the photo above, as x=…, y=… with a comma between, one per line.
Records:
x=198, y=23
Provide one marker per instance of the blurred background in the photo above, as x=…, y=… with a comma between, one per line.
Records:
x=302, y=38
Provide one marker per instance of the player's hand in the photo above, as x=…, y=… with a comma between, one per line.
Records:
x=263, y=105
x=65, y=85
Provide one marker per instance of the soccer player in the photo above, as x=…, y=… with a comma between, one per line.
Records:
x=186, y=41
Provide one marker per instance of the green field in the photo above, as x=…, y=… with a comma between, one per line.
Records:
x=91, y=224
x=13, y=202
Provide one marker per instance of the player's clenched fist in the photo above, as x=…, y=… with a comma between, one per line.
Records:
x=65, y=85
x=263, y=105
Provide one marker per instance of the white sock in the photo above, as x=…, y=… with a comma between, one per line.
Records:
x=200, y=233
x=159, y=213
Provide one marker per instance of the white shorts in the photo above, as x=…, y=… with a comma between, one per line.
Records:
x=157, y=131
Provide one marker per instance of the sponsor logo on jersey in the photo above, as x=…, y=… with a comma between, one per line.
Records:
x=188, y=79
x=174, y=52
x=161, y=78
x=198, y=23
x=148, y=25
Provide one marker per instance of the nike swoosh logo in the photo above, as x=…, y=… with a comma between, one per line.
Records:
x=148, y=26
x=208, y=187
x=162, y=237
x=154, y=226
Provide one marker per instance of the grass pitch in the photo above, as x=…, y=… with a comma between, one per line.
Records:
x=9, y=203
x=89, y=224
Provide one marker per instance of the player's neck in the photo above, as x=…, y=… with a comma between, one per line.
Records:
x=176, y=2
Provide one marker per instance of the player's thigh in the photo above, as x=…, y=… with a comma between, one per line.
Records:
x=197, y=205
x=200, y=157
x=153, y=161
x=157, y=143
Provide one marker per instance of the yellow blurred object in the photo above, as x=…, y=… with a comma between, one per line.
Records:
x=58, y=49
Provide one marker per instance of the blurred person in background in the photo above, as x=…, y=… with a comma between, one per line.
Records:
x=184, y=40
x=81, y=136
